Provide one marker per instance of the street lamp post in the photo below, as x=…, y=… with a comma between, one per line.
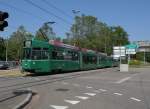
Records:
x=51, y=22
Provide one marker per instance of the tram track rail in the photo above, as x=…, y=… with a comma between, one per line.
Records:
x=18, y=86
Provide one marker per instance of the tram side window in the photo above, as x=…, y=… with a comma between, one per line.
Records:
x=57, y=55
x=60, y=55
x=67, y=55
x=71, y=55
x=85, y=60
x=89, y=59
x=40, y=53
x=75, y=56
x=103, y=58
x=94, y=59
x=44, y=53
x=64, y=55
x=100, y=58
x=54, y=54
x=36, y=53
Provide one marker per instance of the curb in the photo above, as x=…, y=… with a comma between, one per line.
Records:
x=25, y=101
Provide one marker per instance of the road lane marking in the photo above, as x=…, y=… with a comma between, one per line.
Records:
x=82, y=97
x=72, y=101
x=90, y=94
x=118, y=94
x=89, y=87
x=123, y=80
x=58, y=107
x=135, y=99
x=103, y=90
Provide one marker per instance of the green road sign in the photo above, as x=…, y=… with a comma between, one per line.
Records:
x=131, y=46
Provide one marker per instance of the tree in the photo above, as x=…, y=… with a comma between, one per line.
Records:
x=45, y=33
x=2, y=49
x=90, y=33
x=68, y=39
x=84, y=27
x=114, y=36
x=119, y=36
x=16, y=43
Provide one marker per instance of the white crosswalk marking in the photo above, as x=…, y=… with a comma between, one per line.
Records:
x=103, y=90
x=82, y=97
x=90, y=94
x=71, y=101
x=118, y=94
x=58, y=107
x=135, y=99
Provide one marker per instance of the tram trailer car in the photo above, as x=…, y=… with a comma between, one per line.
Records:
x=45, y=57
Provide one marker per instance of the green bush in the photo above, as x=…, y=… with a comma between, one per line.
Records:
x=135, y=62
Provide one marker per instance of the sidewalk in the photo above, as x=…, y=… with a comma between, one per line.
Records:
x=11, y=73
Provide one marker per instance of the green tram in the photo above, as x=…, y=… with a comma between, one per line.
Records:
x=45, y=57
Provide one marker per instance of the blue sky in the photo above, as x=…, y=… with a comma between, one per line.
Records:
x=132, y=15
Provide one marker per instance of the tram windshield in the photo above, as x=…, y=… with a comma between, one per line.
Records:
x=36, y=53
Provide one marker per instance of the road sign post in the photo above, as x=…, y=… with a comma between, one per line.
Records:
x=118, y=53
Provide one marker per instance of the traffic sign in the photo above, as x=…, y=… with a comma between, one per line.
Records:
x=131, y=48
x=130, y=51
x=119, y=51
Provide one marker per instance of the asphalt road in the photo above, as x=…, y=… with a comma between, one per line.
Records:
x=96, y=89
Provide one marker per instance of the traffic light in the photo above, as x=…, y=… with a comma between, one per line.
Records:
x=3, y=23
